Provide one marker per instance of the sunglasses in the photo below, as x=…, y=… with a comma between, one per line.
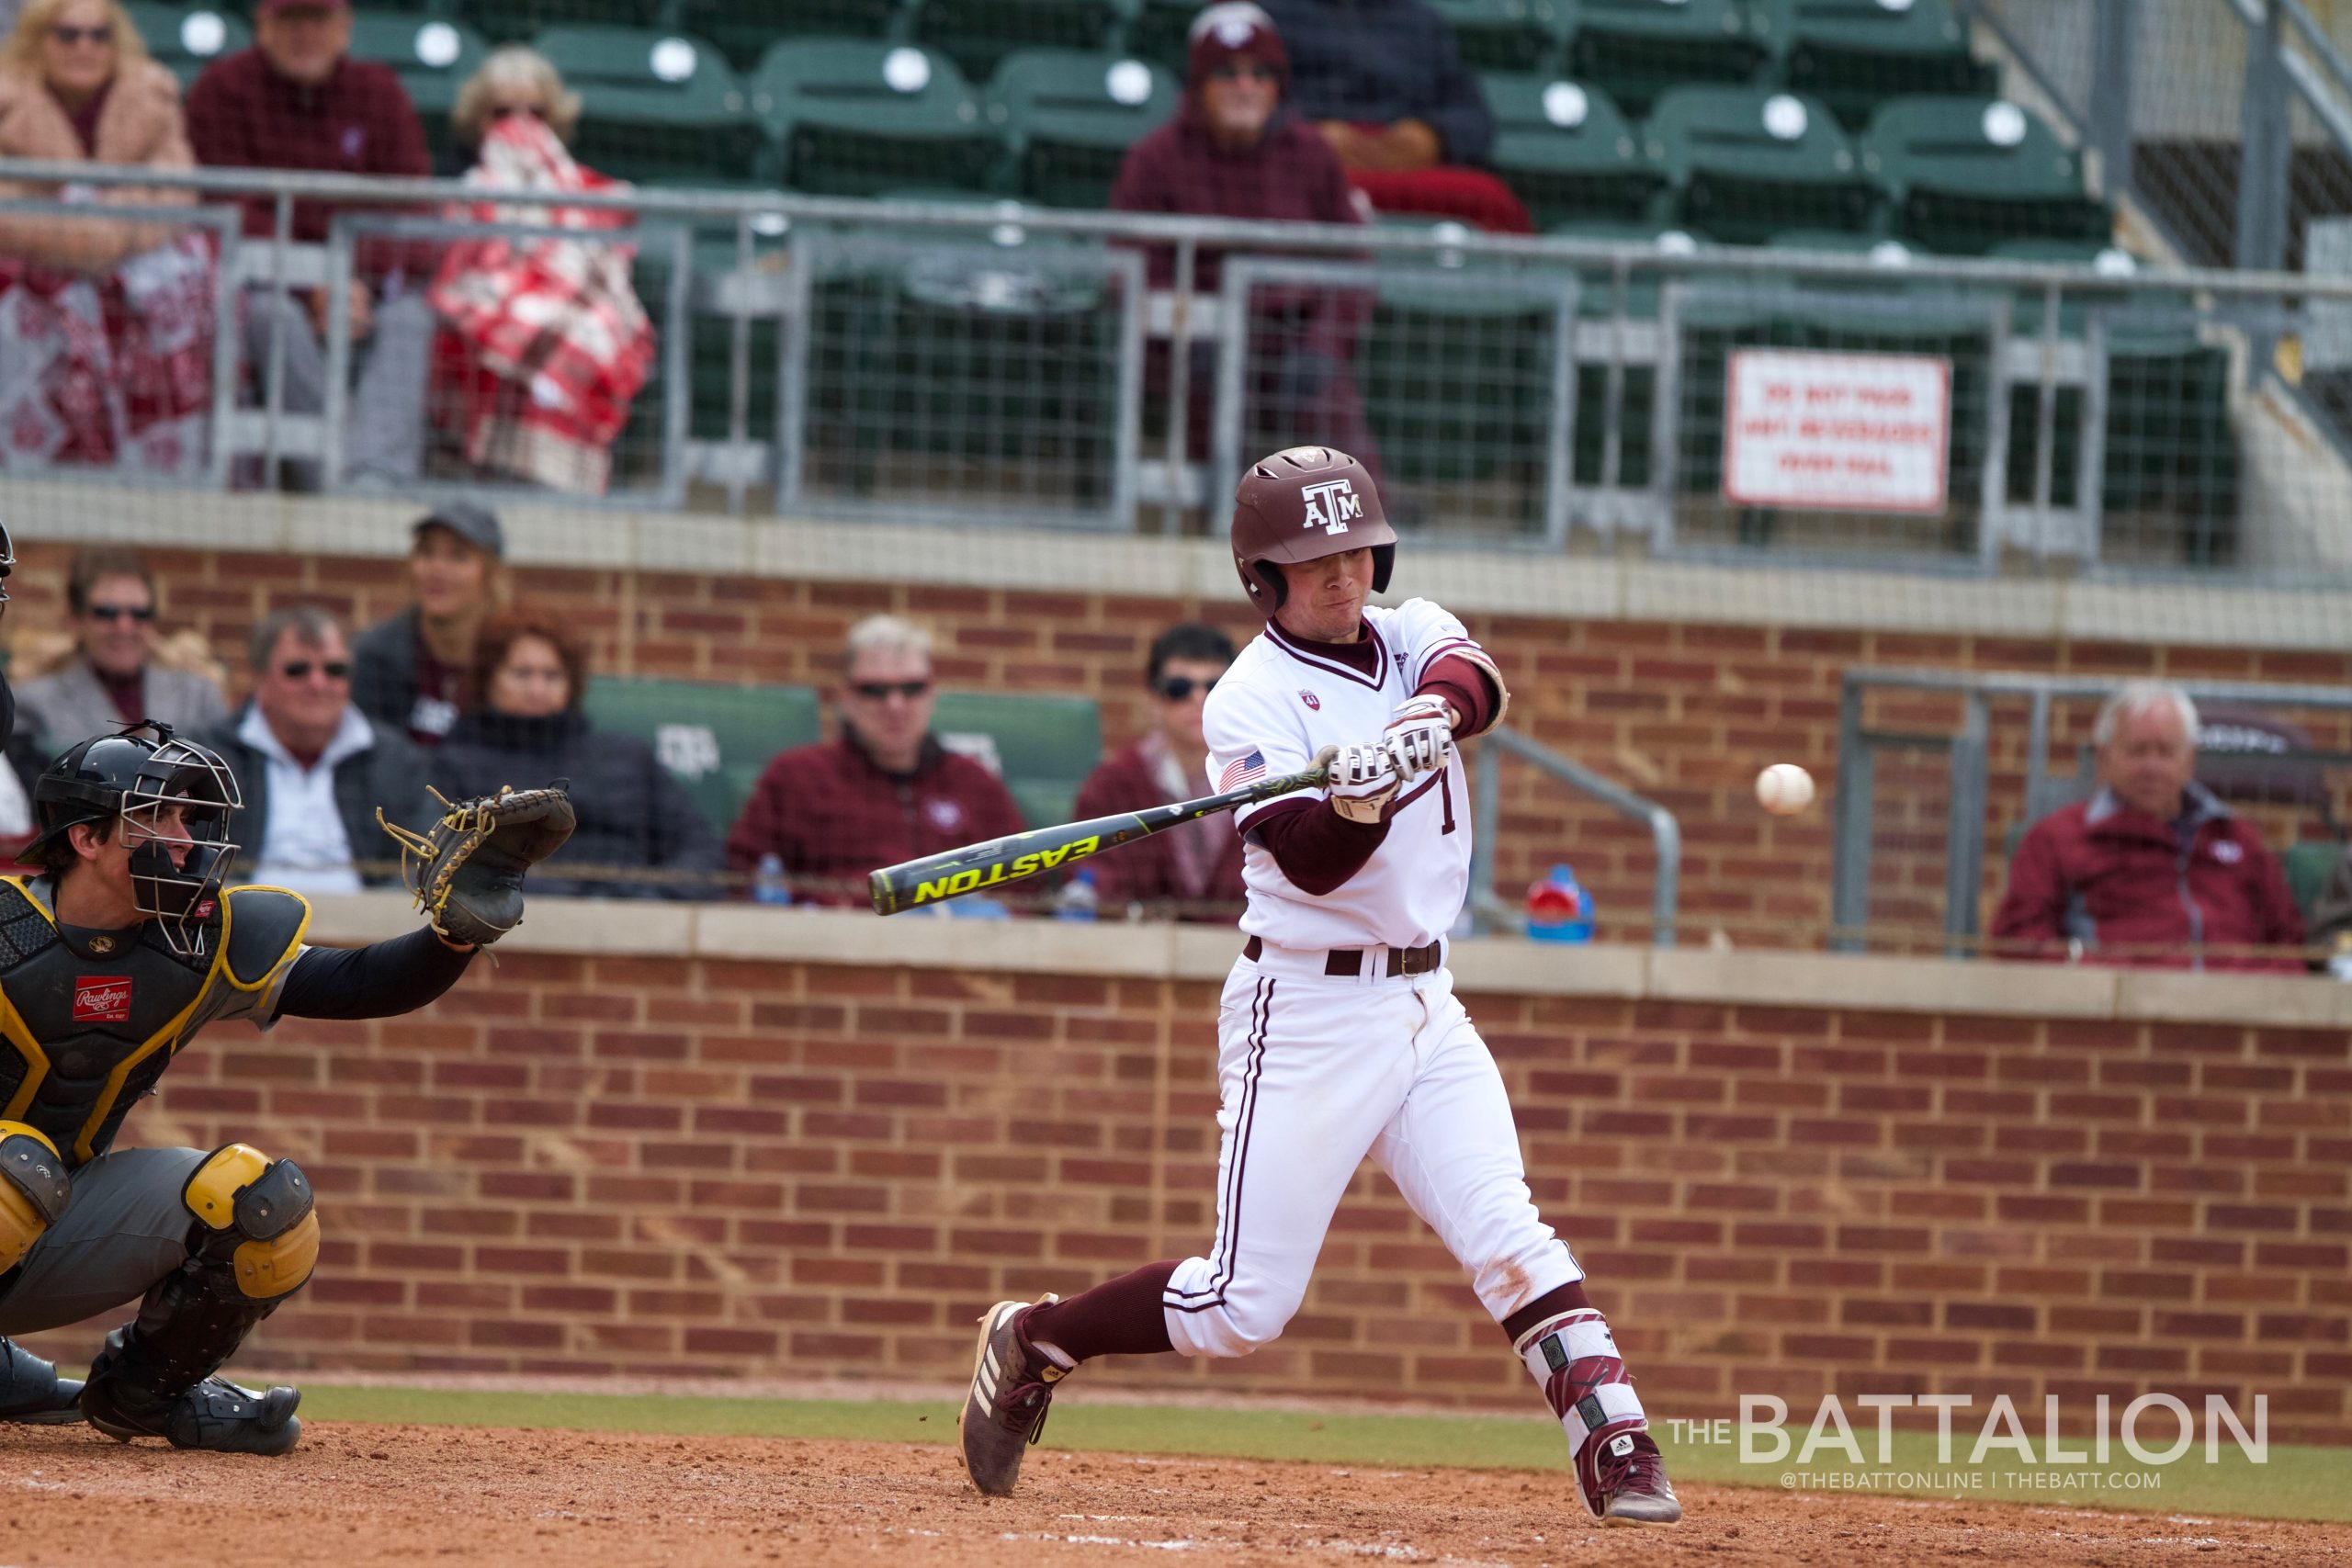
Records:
x=878, y=691
x=1235, y=73
x=299, y=668
x=1176, y=688
x=140, y=612
x=69, y=36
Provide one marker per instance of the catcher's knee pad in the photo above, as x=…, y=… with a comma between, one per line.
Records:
x=258, y=1217
x=34, y=1189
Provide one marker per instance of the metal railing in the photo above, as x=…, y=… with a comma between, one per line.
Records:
x=1665, y=835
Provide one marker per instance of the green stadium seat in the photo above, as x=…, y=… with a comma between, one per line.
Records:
x=1070, y=117
x=1967, y=172
x=853, y=117
x=714, y=739
x=2308, y=865
x=185, y=40
x=746, y=30
x=1855, y=54
x=1748, y=162
x=1569, y=153
x=1503, y=34
x=520, y=21
x=977, y=34
x=1641, y=49
x=1044, y=746
x=434, y=56
x=658, y=108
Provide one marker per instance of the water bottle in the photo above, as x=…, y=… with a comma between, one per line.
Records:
x=1558, y=908
x=2339, y=963
x=769, y=885
x=1079, y=899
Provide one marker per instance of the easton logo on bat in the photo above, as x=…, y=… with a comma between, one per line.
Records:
x=977, y=877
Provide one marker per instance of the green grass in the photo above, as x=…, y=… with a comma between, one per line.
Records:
x=2298, y=1483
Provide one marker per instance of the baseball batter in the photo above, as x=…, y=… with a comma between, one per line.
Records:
x=1340, y=1034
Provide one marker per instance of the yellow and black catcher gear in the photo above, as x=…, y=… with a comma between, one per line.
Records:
x=34, y=1189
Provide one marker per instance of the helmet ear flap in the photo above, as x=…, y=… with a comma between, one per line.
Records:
x=1384, y=562
x=1277, y=586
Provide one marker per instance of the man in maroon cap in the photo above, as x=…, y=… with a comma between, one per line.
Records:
x=297, y=101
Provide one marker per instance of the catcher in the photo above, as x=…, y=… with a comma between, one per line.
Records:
x=124, y=945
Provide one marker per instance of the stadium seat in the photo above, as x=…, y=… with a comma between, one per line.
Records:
x=434, y=57
x=1569, y=153
x=1503, y=34
x=1748, y=162
x=714, y=739
x=1967, y=172
x=1641, y=49
x=746, y=30
x=1160, y=33
x=1044, y=746
x=1855, y=54
x=977, y=34
x=656, y=107
x=1070, y=117
x=185, y=41
x=2308, y=865
x=851, y=117
x=519, y=21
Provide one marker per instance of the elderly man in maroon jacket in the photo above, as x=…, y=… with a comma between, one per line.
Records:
x=2153, y=869
x=884, y=791
x=1193, y=871
x=297, y=101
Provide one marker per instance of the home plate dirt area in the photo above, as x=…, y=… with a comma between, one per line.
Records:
x=353, y=1495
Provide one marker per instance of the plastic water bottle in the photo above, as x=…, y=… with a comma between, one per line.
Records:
x=1079, y=899
x=1558, y=908
x=769, y=885
x=2339, y=963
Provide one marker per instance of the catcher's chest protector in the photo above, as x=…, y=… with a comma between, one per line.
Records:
x=82, y=1038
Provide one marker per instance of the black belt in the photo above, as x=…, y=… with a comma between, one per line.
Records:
x=1348, y=962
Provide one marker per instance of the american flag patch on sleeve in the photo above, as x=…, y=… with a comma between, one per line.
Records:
x=1242, y=770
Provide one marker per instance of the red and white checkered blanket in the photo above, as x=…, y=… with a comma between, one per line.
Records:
x=553, y=342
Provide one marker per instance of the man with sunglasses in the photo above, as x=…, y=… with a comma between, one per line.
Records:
x=881, y=792
x=313, y=767
x=116, y=677
x=1192, y=872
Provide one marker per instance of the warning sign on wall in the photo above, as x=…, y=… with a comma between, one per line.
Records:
x=1852, y=432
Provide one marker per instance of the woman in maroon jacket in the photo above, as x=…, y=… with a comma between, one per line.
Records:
x=1235, y=150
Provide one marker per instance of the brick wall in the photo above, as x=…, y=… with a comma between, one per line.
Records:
x=796, y=1169
x=1686, y=714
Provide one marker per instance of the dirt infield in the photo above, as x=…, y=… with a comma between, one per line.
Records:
x=360, y=1496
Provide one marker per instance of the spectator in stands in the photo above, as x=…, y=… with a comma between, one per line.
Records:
x=1235, y=150
x=312, y=768
x=296, y=100
x=1197, y=869
x=548, y=343
x=410, y=672
x=118, y=670
x=884, y=791
x=2154, y=866
x=76, y=86
x=524, y=725
x=1382, y=80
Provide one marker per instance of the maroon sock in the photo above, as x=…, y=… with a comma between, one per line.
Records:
x=1569, y=1297
x=1119, y=1317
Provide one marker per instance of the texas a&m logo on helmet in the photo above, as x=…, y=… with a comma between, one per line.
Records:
x=1330, y=505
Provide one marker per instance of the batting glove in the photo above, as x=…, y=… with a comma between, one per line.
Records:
x=1360, y=778
x=1419, y=738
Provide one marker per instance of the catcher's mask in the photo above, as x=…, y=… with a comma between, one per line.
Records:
x=170, y=800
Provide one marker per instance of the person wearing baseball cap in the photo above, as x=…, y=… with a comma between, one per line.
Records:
x=409, y=673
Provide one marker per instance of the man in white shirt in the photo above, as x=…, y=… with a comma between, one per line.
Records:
x=313, y=767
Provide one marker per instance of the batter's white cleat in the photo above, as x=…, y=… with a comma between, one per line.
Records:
x=1630, y=1475
x=1012, y=1385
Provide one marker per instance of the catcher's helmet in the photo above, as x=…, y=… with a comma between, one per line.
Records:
x=175, y=876
x=1301, y=504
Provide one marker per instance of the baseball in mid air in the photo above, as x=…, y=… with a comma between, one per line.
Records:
x=1784, y=789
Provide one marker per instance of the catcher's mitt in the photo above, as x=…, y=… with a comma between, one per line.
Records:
x=467, y=873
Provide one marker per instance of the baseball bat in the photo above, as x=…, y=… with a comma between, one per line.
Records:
x=951, y=873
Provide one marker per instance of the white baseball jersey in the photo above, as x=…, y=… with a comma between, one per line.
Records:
x=1280, y=704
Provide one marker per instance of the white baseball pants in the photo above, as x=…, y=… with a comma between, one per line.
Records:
x=1315, y=1072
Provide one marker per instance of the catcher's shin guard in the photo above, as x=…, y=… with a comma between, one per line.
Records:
x=31, y=1394
x=1620, y=1473
x=254, y=1244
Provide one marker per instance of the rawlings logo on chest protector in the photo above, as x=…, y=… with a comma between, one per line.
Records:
x=102, y=998
x=1331, y=505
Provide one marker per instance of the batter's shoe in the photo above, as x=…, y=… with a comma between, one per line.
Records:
x=31, y=1394
x=1012, y=1385
x=1630, y=1475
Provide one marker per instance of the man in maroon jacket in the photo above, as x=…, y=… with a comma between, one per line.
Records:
x=297, y=101
x=2154, y=868
x=885, y=791
x=1193, y=871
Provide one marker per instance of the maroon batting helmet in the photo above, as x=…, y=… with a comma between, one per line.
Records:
x=1299, y=505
